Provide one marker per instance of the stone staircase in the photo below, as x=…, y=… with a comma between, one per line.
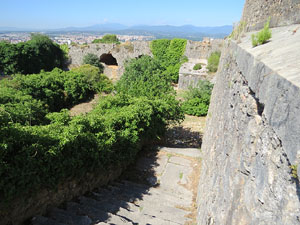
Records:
x=162, y=192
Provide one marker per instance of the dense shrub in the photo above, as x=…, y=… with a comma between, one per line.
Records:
x=97, y=81
x=213, y=62
x=263, y=36
x=197, y=99
x=144, y=77
x=56, y=89
x=93, y=60
x=21, y=108
x=197, y=66
x=39, y=53
x=169, y=53
x=34, y=157
x=42, y=156
x=107, y=39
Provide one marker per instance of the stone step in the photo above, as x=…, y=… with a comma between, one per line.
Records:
x=152, y=190
x=133, y=194
x=118, y=202
x=190, y=152
x=69, y=218
x=40, y=220
x=106, y=206
x=96, y=215
x=138, y=217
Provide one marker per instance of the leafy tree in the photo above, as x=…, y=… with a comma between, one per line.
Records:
x=170, y=55
x=213, y=61
x=93, y=60
x=39, y=53
x=65, y=49
x=197, y=99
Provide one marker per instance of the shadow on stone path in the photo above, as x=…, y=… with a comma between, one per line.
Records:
x=158, y=189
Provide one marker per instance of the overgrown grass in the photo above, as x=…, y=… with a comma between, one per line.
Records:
x=262, y=36
x=213, y=62
x=197, y=66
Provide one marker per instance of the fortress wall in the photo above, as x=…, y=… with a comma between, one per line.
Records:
x=252, y=136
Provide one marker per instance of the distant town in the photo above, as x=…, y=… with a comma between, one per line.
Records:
x=79, y=38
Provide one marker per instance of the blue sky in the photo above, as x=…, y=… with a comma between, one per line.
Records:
x=64, y=13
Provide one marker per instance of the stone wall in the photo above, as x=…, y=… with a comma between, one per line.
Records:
x=252, y=135
x=122, y=52
x=197, y=52
x=281, y=12
x=188, y=77
x=202, y=49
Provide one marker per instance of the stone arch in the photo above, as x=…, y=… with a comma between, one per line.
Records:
x=108, y=59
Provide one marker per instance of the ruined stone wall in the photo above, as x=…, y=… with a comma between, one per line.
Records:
x=122, y=52
x=197, y=52
x=202, y=49
x=252, y=135
x=281, y=12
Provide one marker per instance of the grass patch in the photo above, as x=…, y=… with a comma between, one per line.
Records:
x=262, y=36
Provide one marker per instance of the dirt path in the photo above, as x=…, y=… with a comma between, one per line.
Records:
x=85, y=107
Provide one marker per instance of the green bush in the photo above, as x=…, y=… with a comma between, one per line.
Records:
x=39, y=53
x=197, y=66
x=97, y=81
x=42, y=156
x=213, y=62
x=36, y=157
x=169, y=53
x=144, y=77
x=21, y=108
x=196, y=100
x=65, y=49
x=93, y=60
x=107, y=39
x=263, y=36
x=56, y=89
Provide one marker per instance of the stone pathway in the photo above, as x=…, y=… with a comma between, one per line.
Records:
x=160, y=188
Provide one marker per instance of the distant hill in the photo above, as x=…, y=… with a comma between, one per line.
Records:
x=164, y=31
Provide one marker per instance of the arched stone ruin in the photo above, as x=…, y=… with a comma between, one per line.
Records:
x=108, y=59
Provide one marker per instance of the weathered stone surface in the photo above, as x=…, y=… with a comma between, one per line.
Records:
x=197, y=52
x=188, y=77
x=281, y=13
x=121, y=53
x=202, y=49
x=252, y=135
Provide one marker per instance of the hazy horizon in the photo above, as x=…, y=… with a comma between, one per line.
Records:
x=55, y=14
